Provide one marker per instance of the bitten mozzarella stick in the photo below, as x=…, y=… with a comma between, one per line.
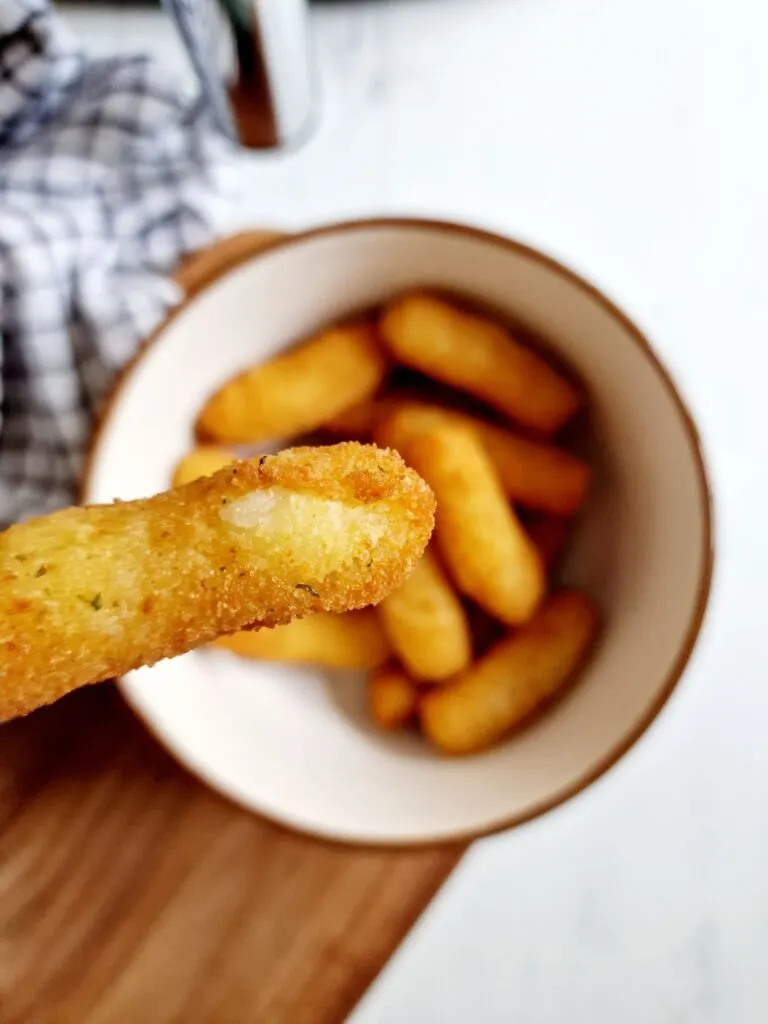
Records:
x=513, y=679
x=89, y=593
x=349, y=640
x=478, y=356
x=483, y=544
x=298, y=390
x=352, y=640
x=426, y=623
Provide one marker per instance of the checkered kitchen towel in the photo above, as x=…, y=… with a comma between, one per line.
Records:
x=107, y=177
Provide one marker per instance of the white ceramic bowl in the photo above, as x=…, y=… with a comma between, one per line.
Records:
x=295, y=743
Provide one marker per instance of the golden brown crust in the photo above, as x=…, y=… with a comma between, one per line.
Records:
x=484, y=546
x=298, y=390
x=480, y=357
x=89, y=593
x=426, y=623
x=514, y=680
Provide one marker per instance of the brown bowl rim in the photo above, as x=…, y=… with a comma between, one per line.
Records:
x=275, y=241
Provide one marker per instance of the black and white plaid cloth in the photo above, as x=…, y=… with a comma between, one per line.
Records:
x=107, y=177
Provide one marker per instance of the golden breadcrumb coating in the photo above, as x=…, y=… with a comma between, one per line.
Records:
x=90, y=593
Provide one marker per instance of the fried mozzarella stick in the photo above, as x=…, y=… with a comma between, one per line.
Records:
x=426, y=623
x=533, y=474
x=298, y=390
x=485, y=548
x=480, y=357
x=89, y=593
x=514, y=679
x=352, y=640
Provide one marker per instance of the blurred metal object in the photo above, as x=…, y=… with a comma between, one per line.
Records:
x=254, y=62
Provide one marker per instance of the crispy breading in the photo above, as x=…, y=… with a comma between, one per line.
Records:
x=90, y=593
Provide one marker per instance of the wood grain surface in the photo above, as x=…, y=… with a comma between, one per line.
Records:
x=131, y=893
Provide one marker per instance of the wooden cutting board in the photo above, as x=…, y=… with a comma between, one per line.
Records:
x=131, y=893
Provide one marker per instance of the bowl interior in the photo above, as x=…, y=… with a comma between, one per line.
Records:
x=294, y=743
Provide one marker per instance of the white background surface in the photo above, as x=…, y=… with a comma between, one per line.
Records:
x=630, y=138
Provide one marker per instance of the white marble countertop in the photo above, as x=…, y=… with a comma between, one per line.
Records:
x=629, y=139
